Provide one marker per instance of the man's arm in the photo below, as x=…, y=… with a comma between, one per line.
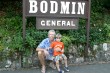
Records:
x=39, y=49
x=41, y=46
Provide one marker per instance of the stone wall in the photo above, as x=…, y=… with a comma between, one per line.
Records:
x=98, y=53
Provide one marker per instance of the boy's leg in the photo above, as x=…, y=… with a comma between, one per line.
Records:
x=65, y=60
x=57, y=58
x=57, y=65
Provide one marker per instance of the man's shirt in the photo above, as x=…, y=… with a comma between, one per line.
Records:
x=45, y=44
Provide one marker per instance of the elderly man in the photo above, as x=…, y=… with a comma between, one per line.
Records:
x=43, y=50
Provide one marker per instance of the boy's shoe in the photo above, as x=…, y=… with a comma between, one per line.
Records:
x=61, y=71
x=66, y=69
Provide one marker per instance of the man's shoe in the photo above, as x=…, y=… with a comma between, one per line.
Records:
x=66, y=69
x=61, y=71
x=52, y=65
x=43, y=70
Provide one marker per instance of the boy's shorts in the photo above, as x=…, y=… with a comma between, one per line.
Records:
x=57, y=58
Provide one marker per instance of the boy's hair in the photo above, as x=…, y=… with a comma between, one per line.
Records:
x=58, y=35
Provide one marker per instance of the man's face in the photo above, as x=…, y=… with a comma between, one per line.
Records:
x=51, y=36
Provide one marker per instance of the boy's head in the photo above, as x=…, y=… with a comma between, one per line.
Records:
x=58, y=37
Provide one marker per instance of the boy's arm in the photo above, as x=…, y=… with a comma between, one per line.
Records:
x=62, y=50
x=58, y=50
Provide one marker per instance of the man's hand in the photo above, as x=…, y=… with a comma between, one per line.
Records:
x=46, y=52
x=48, y=48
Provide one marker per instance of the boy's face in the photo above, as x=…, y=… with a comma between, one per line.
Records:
x=58, y=39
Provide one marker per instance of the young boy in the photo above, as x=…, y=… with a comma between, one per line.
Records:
x=58, y=53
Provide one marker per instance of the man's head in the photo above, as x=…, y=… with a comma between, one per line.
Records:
x=51, y=35
x=58, y=37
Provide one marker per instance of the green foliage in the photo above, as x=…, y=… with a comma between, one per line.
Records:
x=97, y=5
x=10, y=36
x=11, y=8
x=34, y=37
x=67, y=41
x=11, y=28
x=17, y=42
x=107, y=32
x=78, y=36
x=1, y=47
x=12, y=24
x=107, y=26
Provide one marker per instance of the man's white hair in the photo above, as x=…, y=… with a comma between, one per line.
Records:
x=51, y=31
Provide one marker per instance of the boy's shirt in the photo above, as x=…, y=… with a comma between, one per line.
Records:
x=55, y=45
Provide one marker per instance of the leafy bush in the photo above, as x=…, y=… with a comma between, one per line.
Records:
x=67, y=41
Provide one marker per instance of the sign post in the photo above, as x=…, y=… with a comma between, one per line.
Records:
x=87, y=31
x=58, y=14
